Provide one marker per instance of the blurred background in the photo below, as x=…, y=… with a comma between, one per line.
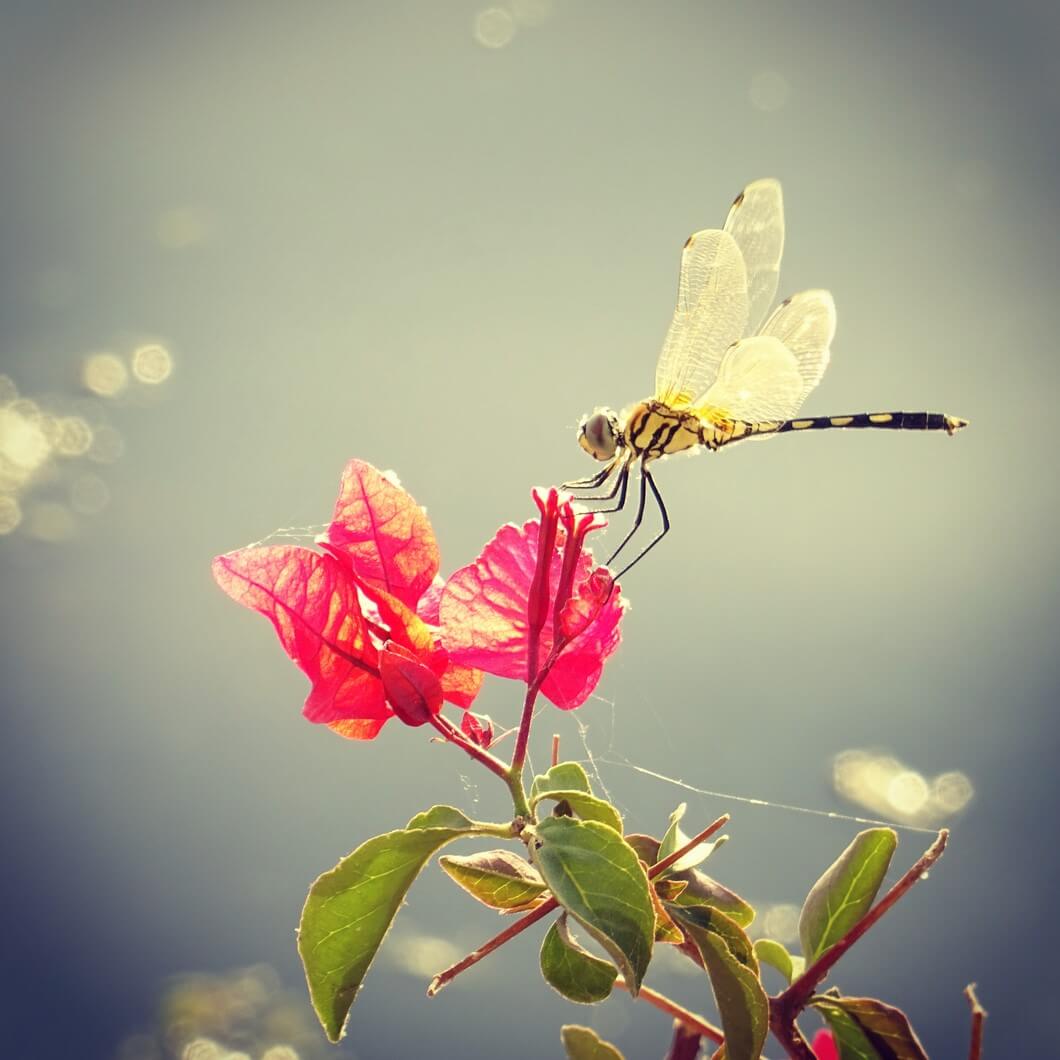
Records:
x=243, y=242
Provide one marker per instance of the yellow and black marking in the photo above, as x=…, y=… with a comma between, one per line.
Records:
x=893, y=421
x=653, y=429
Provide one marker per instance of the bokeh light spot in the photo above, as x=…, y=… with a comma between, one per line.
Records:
x=422, y=955
x=884, y=785
x=23, y=442
x=152, y=363
x=50, y=521
x=104, y=374
x=952, y=791
x=907, y=792
x=10, y=513
x=73, y=436
x=203, y=1049
x=769, y=90
x=494, y=27
x=781, y=922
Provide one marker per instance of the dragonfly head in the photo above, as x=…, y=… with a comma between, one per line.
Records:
x=599, y=434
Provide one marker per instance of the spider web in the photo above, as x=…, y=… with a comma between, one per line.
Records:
x=602, y=765
x=595, y=762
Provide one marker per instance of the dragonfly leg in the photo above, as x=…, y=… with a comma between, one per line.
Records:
x=639, y=516
x=646, y=476
x=619, y=487
x=591, y=483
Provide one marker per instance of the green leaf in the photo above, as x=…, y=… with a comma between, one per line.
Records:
x=497, y=878
x=587, y=807
x=567, y=782
x=441, y=817
x=582, y=1043
x=596, y=876
x=566, y=776
x=575, y=973
x=350, y=909
x=700, y=889
x=868, y=1023
x=776, y=955
x=730, y=962
x=849, y=1038
x=674, y=839
x=845, y=893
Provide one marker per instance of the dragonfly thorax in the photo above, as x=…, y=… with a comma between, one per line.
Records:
x=599, y=434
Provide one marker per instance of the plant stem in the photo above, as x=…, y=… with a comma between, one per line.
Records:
x=975, y=1050
x=789, y=1036
x=443, y=979
x=796, y=996
x=453, y=735
x=697, y=1024
x=785, y=1008
x=519, y=755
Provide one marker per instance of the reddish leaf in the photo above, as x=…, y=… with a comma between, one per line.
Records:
x=478, y=728
x=383, y=533
x=461, y=684
x=312, y=602
x=412, y=689
x=430, y=601
x=484, y=616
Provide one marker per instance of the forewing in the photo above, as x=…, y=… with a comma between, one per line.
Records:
x=758, y=381
x=805, y=323
x=711, y=314
x=756, y=222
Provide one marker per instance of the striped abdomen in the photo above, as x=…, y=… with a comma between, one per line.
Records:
x=893, y=421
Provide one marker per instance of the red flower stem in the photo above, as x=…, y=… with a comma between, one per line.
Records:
x=555, y=748
x=790, y=1038
x=443, y=979
x=662, y=866
x=519, y=754
x=785, y=1008
x=697, y=1024
x=532, y=690
x=975, y=1050
x=454, y=735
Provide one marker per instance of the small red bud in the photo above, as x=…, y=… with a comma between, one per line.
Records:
x=412, y=689
x=478, y=728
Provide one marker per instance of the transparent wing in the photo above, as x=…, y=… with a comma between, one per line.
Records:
x=711, y=314
x=758, y=380
x=756, y=222
x=805, y=323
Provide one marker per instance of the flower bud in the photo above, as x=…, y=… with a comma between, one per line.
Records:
x=478, y=728
x=412, y=689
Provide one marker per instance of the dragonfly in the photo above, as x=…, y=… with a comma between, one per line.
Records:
x=727, y=372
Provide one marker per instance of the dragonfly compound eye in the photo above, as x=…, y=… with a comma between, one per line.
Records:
x=598, y=434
